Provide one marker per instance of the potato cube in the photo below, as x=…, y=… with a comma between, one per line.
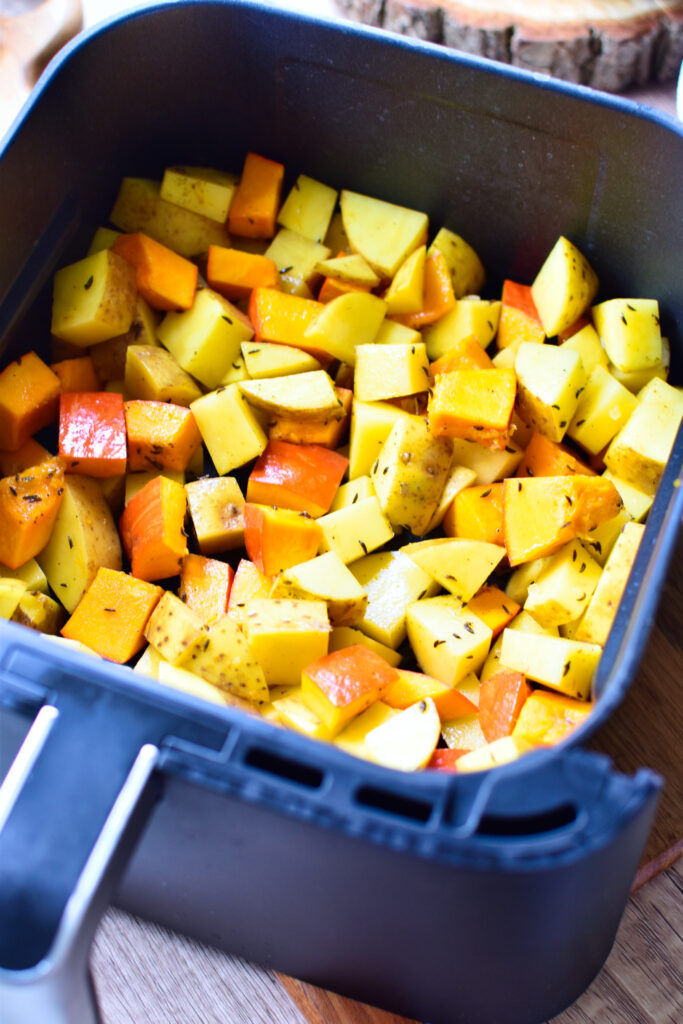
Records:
x=600, y=614
x=550, y=379
x=93, y=299
x=216, y=506
x=296, y=259
x=407, y=741
x=11, y=593
x=459, y=477
x=636, y=502
x=308, y=208
x=391, y=332
x=391, y=581
x=390, y=371
x=639, y=452
x=471, y=316
x=465, y=267
x=307, y=396
x=463, y=733
x=29, y=573
x=153, y=374
x=205, y=339
x=171, y=627
x=355, y=530
x=352, y=737
x=325, y=578
x=200, y=189
x=603, y=408
x=220, y=654
x=230, y=428
x=600, y=541
x=458, y=564
x=103, y=238
x=347, y=636
x=405, y=293
x=266, y=359
x=565, y=665
x=448, y=640
x=587, y=343
x=630, y=333
x=383, y=233
x=349, y=269
x=352, y=492
x=564, y=287
x=635, y=380
x=409, y=474
x=500, y=751
x=371, y=424
x=291, y=711
x=346, y=323
x=285, y=636
x=248, y=583
x=562, y=591
x=487, y=464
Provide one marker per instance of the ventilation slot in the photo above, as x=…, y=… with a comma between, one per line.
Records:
x=392, y=803
x=529, y=826
x=284, y=768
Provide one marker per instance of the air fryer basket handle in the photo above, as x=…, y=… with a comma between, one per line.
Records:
x=55, y=884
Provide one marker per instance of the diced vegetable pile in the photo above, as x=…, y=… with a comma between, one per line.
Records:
x=290, y=460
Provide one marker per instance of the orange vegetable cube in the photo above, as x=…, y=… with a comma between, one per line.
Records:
x=333, y=287
x=540, y=514
x=475, y=405
x=501, y=698
x=282, y=318
x=152, y=529
x=342, y=684
x=77, y=374
x=518, y=296
x=465, y=354
x=29, y=399
x=303, y=477
x=519, y=319
x=111, y=616
x=164, y=279
x=477, y=513
x=494, y=607
x=413, y=686
x=327, y=432
x=445, y=759
x=547, y=718
x=29, y=503
x=30, y=454
x=92, y=433
x=544, y=457
x=235, y=273
x=256, y=201
x=438, y=298
x=277, y=538
x=205, y=586
x=160, y=436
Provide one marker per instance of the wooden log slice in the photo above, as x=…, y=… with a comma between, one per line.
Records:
x=606, y=44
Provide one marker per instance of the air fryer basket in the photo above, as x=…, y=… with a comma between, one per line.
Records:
x=427, y=894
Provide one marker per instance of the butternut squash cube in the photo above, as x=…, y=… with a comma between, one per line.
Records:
x=548, y=718
x=205, y=339
x=473, y=405
x=343, y=684
x=448, y=640
x=285, y=636
x=564, y=665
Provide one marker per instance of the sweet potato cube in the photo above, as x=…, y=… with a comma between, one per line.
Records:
x=164, y=279
x=29, y=504
x=345, y=683
x=94, y=299
x=547, y=718
x=216, y=506
x=152, y=529
x=475, y=405
x=92, y=433
x=541, y=514
x=278, y=538
x=29, y=399
x=285, y=636
x=501, y=698
x=256, y=200
x=76, y=374
x=301, y=477
x=111, y=616
x=160, y=435
x=494, y=607
x=477, y=513
x=205, y=586
x=411, y=687
x=281, y=318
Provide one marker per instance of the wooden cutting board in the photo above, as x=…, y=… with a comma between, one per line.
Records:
x=607, y=44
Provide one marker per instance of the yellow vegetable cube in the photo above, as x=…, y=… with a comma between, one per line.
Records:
x=346, y=636
x=603, y=408
x=390, y=371
x=550, y=379
x=216, y=506
x=383, y=233
x=458, y=564
x=220, y=654
x=352, y=737
x=391, y=332
x=292, y=711
x=587, y=343
x=405, y=293
x=547, y=718
x=266, y=359
x=637, y=503
x=597, y=622
x=355, y=530
x=501, y=751
x=171, y=627
x=103, y=238
x=488, y=465
x=230, y=428
x=30, y=573
x=449, y=641
x=564, y=287
x=463, y=733
x=308, y=208
x=639, y=452
x=391, y=581
x=470, y=316
x=325, y=578
x=345, y=323
x=407, y=741
x=630, y=333
x=565, y=665
x=371, y=424
x=562, y=591
x=351, y=269
x=152, y=373
x=309, y=395
x=200, y=189
x=465, y=267
x=205, y=339
x=352, y=492
x=458, y=479
x=11, y=592
x=296, y=258
x=94, y=299
x=410, y=473
x=285, y=636
x=600, y=541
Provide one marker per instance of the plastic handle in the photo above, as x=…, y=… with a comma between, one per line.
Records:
x=58, y=872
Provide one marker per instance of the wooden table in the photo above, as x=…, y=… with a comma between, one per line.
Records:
x=144, y=973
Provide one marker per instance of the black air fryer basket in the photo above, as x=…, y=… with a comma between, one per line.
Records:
x=491, y=898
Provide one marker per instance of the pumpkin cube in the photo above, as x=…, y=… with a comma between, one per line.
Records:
x=278, y=538
x=341, y=685
x=548, y=718
x=474, y=405
x=29, y=399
